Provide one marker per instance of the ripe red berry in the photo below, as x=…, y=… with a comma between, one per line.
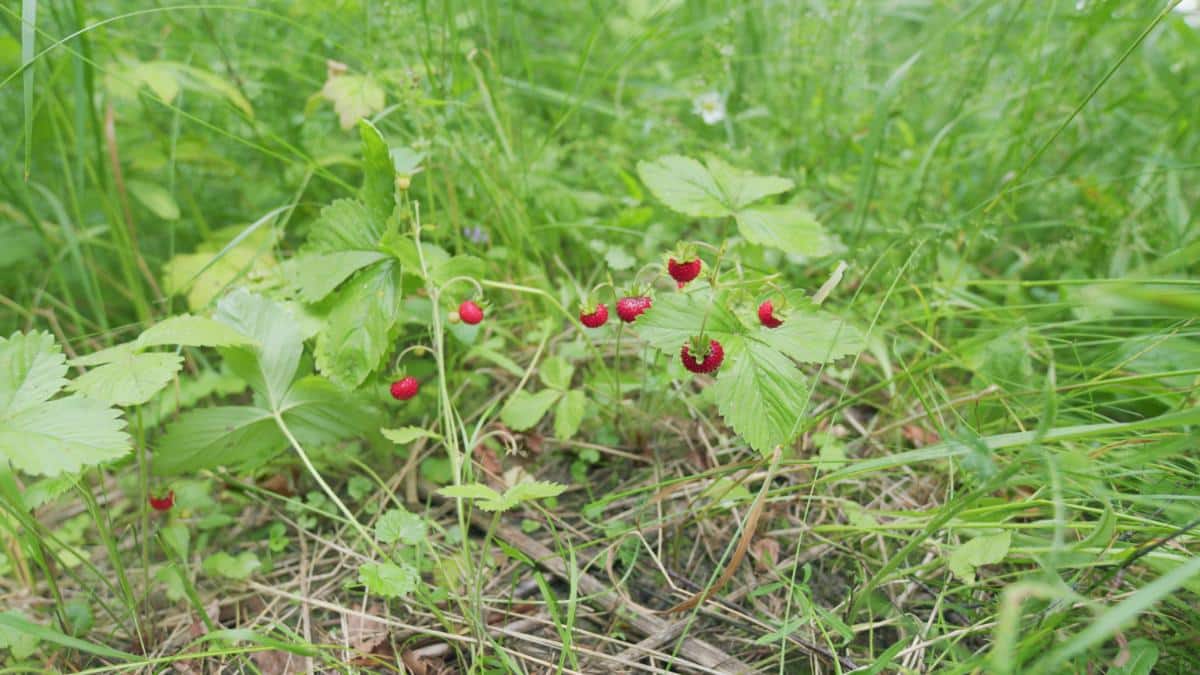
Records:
x=163, y=503
x=683, y=272
x=470, y=312
x=766, y=315
x=598, y=317
x=630, y=308
x=711, y=361
x=406, y=388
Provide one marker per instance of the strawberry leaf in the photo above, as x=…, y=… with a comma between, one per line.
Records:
x=379, y=174
x=191, y=331
x=761, y=395
x=739, y=187
x=398, y=525
x=132, y=379
x=318, y=274
x=789, y=228
x=210, y=437
x=357, y=332
x=684, y=185
x=388, y=579
x=271, y=365
x=523, y=410
x=812, y=337
x=568, y=414
x=345, y=225
x=675, y=318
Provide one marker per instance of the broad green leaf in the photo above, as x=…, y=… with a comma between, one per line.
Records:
x=154, y=197
x=21, y=644
x=812, y=337
x=345, y=225
x=32, y=369
x=523, y=410
x=792, y=229
x=675, y=318
x=761, y=395
x=684, y=185
x=531, y=490
x=354, y=97
x=741, y=188
x=358, y=331
x=231, y=254
x=379, y=174
x=63, y=435
x=317, y=274
x=446, y=269
x=224, y=565
x=210, y=437
x=159, y=77
x=556, y=372
x=406, y=435
x=387, y=579
x=271, y=366
x=107, y=355
x=132, y=379
x=318, y=412
x=191, y=331
x=985, y=550
x=400, y=525
x=568, y=415
x=177, y=539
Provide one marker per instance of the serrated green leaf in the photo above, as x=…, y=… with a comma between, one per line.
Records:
x=231, y=254
x=106, y=355
x=345, y=225
x=191, y=331
x=400, y=525
x=319, y=412
x=32, y=369
x=406, y=435
x=353, y=96
x=791, y=229
x=379, y=174
x=318, y=274
x=675, y=318
x=761, y=395
x=132, y=379
x=556, y=372
x=62, y=436
x=568, y=414
x=470, y=491
x=684, y=185
x=387, y=579
x=224, y=565
x=740, y=188
x=154, y=197
x=985, y=550
x=357, y=333
x=812, y=337
x=271, y=366
x=523, y=410
x=210, y=437
x=531, y=490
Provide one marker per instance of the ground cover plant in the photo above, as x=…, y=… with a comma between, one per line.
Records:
x=648, y=336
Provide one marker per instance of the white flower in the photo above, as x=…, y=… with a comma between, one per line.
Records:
x=710, y=106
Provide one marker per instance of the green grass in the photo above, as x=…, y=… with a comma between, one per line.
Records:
x=1012, y=184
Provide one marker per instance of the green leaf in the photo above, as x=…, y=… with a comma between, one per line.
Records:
x=684, y=185
x=792, y=229
x=108, y=355
x=157, y=199
x=387, y=579
x=556, y=373
x=675, y=318
x=224, y=565
x=231, y=254
x=132, y=379
x=761, y=395
x=379, y=174
x=317, y=274
x=1143, y=656
x=406, y=435
x=32, y=369
x=345, y=225
x=523, y=410
x=739, y=187
x=568, y=415
x=319, y=412
x=985, y=550
x=532, y=490
x=812, y=337
x=357, y=333
x=470, y=491
x=271, y=366
x=353, y=97
x=191, y=331
x=210, y=437
x=400, y=525
x=176, y=538
x=21, y=644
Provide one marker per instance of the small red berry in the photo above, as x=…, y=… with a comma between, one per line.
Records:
x=683, y=272
x=766, y=315
x=598, y=317
x=630, y=308
x=470, y=312
x=163, y=503
x=405, y=388
x=711, y=361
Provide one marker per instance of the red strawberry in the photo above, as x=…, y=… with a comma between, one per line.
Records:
x=683, y=272
x=163, y=503
x=766, y=315
x=405, y=388
x=708, y=364
x=629, y=308
x=598, y=317
x=470, y=313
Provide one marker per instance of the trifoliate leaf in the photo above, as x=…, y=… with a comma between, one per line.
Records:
x=532, y=490
x=523, y=410
x=740, y=188
x=556, y=372
x=32, y=369
x=210, y=437
x=353, y=96
x=761, y=395
x=400, y=525
x=191, y=331
x=406, y=435
x=132, y=379
x=379, y=174
x=345, y=225
x=985, y=550
x=675, y=318
x=388, y=580
x=106, y=355
x=684, y=185
x=319, y=412
x=318, y=274
x=568, y=414
x=812, y=337
x=224, y=565
x=357, y=333
x=271, y=366
x=792, y=229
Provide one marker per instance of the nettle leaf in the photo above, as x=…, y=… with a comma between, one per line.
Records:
x=684, y=185
x=191, y=331
x=379, y=173
x=523, y=410
x=812, y=337
x=357, y=333
x=568, y=415
x=50, y=437
x=388, y=579
x=789, y=228
x=398, y=525
x=675, y=318
x=985, y=550
x=270, y=366
x=132, y=379
x=761, y=394
x=209, y=437
x=739, y=187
